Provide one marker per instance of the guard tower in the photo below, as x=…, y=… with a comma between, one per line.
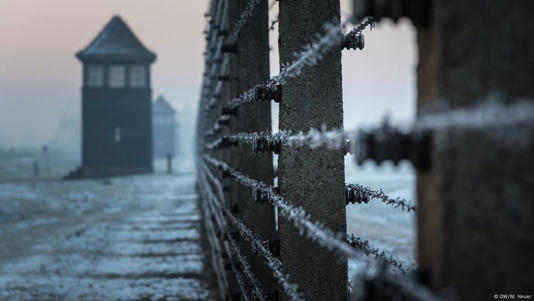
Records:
x=163, y=128
x=116, y=103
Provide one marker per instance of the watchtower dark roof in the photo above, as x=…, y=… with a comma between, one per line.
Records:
x=161, y=105
x=116, y=43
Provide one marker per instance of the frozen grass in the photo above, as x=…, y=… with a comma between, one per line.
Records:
x=129, y=238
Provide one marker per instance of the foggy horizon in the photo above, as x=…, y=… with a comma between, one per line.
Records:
x=40, y=77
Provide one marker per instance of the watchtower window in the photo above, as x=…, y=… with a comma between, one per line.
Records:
x=117, y=78
x=138, y=76
x=95, y=76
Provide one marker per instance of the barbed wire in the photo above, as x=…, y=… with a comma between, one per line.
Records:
x=334, y=139
x=258, y=244
x=217, y=265
x=363, y=245
x=356, y=193
x=410, y=141
x=247, y=12
x=240, y=282
x=311, y=54
x=274, y=264
x=257, y=289
x=221, y=22
x=214, y=96
x=415, y=288
x=490, y=113
x=301, y=220
x=265, y=141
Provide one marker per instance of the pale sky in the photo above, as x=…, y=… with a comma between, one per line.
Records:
x=40, y=78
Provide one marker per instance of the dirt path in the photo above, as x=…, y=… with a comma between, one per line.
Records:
x=134, y=238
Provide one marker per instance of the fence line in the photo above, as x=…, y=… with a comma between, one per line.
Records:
x=309, y=56
x=273, y=263
x=215, y=207
x=358, y=247
x=258, y=291
x=300, y=219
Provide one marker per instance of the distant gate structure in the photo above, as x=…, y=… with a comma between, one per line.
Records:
x=116, y=104
x=164, y=128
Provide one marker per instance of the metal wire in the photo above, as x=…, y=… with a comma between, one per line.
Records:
x=363, y=245
x=216, y=212
x=301, y=220
x=357, y=192
x=273, y=263
x=247, y=12
x=350, y=247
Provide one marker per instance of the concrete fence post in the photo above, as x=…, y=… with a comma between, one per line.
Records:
x=312, y=179
x=476, y=203
x=250, y=66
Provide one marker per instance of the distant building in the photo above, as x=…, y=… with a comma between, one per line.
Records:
x=164, y=132
x=116, y=104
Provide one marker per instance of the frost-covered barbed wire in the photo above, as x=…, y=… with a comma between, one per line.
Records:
x=240, y=138
x=363, y=245
x=331, y=139
x=257, y=289
x=219, y=270
x=214, y=180
x=490, y=113
x=247, y=12
x=218, y=87
x=309, y=56
x=213, y=242
x=216, y=212
x=274, y=264
x=258, y=244
x=214, y=53
x=487, y=115
x=356, y=193
x=314, y=231
x=211, y=211
x=240, y=282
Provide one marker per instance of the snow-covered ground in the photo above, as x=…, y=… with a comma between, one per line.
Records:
x=139, y=236
x=126, y=238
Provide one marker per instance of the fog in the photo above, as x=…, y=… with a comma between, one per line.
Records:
x=40, y=78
